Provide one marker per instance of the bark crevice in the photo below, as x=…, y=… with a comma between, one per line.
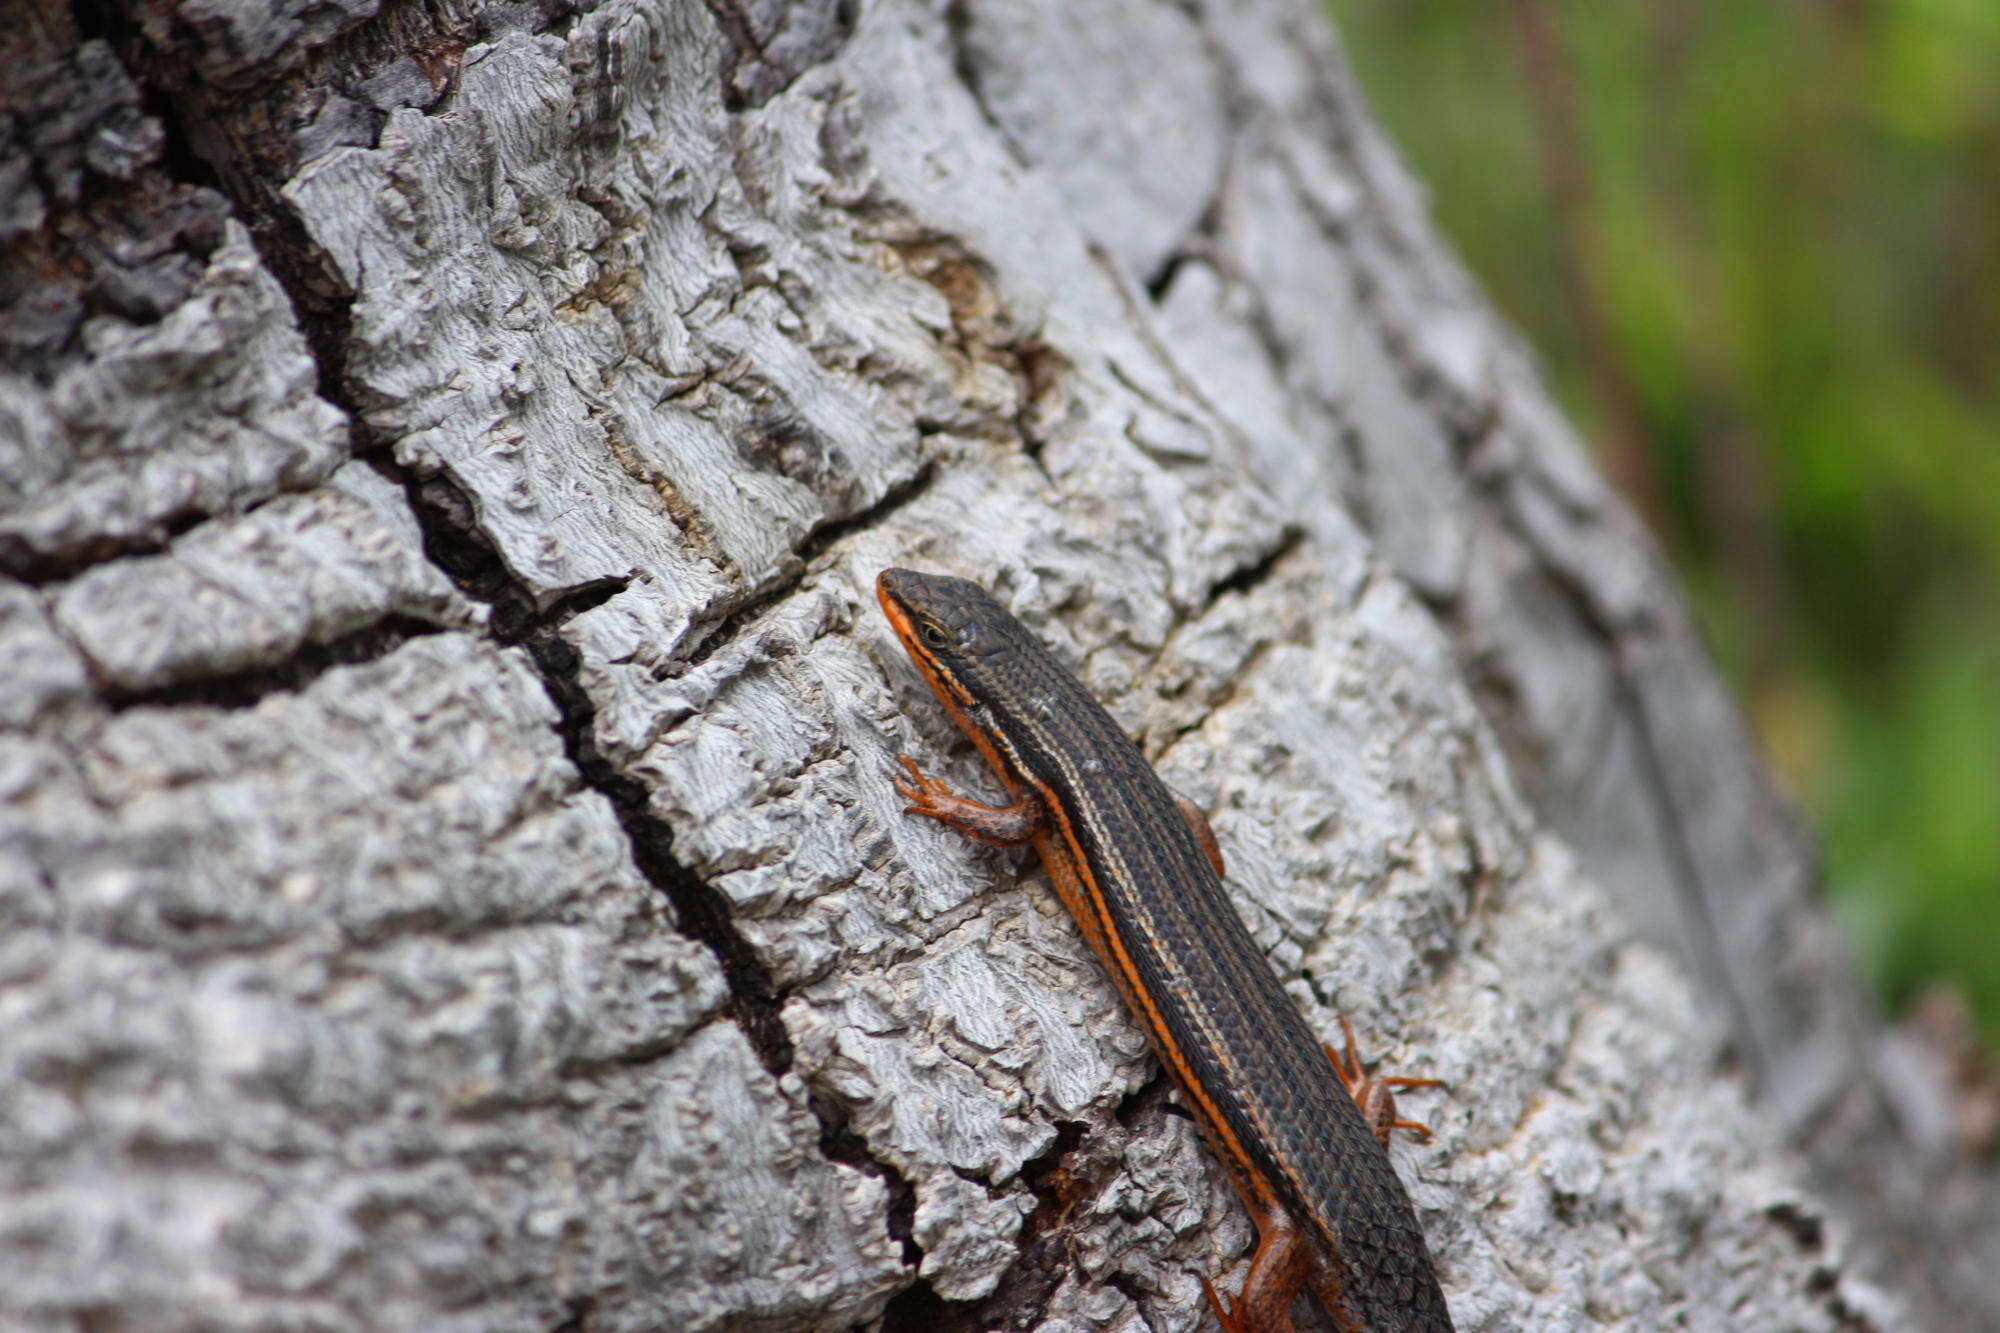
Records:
x=246, y=689
x=702, y=911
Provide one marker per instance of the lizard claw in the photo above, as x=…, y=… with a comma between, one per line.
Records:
x=925, y=794
x=1373, y=1092
x=1223, y=1316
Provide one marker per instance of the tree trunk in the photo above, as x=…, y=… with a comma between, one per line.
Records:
x=450, y=876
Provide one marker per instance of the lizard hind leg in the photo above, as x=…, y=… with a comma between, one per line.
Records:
x=1278, y=1272
x=1373, y=1093
x=1203, y=834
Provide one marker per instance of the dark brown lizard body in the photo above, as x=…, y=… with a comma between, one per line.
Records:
x=1138, y=871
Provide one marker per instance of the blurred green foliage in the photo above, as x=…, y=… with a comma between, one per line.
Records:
x=1759, y=247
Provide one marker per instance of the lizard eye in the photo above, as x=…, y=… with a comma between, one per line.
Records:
x=934, y=636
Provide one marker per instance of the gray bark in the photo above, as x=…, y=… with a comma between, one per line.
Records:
x=449, y=873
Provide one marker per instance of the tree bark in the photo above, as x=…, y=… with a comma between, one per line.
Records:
x=449, y=872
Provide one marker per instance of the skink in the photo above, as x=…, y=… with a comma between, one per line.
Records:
x=1301, y=1130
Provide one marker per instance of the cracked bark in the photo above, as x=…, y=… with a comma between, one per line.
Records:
x=448, y=865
